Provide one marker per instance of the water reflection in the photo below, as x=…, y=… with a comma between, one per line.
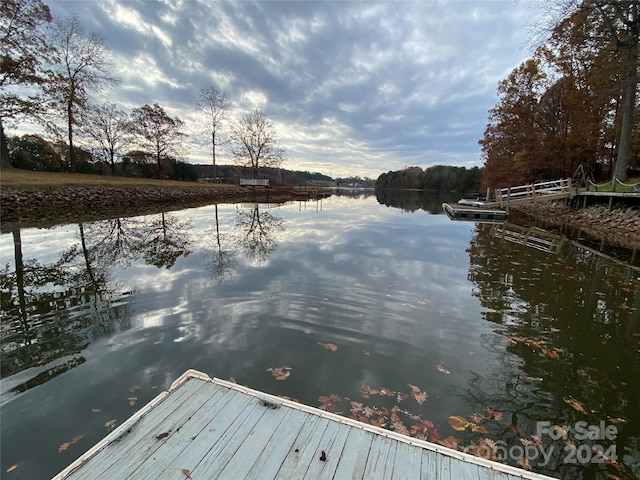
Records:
x=451, y=319
x=570, y=322
x=410, y=201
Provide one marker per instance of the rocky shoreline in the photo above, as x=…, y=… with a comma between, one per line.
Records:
x=618, y=227
x=36, y=206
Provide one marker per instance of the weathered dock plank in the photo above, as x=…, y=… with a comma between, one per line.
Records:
x=209, y=428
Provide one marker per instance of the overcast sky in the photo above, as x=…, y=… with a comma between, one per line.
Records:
x=353, y=88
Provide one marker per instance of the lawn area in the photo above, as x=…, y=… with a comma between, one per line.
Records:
x=606, y=187
x=28, y=178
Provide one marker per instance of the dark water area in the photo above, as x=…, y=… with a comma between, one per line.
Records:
x=503, y=340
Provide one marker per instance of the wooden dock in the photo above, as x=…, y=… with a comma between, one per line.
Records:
x=203, y=428
x=457, y=211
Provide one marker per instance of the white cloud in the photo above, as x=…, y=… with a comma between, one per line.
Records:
x=352, y=87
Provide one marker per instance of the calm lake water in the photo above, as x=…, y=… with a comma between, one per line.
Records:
x=448, y=331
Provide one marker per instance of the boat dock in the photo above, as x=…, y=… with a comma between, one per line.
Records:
x=204, y=428
x=459, y=211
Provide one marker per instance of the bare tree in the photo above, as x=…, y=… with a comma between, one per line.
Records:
x=108, y=130
x=22, y=51
x=80, y=65
x=253, y=142
x=214, y=107
x=157, y=132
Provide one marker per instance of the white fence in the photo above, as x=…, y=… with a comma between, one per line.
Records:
x=254, y=182
x=535, y=191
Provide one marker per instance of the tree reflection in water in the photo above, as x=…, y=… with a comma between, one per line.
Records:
x=569, y=322
x=54, y=311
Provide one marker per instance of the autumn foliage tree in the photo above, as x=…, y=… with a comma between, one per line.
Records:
x=582, y=109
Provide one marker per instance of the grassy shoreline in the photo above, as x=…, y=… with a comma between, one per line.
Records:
x=48, y=198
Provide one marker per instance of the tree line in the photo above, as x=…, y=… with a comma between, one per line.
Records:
x=52, y=72
x=440, y=178
x=574, y=102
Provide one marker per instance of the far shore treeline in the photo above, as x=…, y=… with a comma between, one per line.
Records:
x=441, y=178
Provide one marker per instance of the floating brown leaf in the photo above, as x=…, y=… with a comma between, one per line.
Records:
x=187, y=472
x=356, y=408
x=132, y=401
x=449, y=442
x=73, y=441
x=617, y=420
x=524, y=463
x=441, y=369
x=418, y=395
x=386, y=392
x=366, y=391
x=110, y=424
x=458, y=423
x=280, y=373
x=367, y=354
x=493, y=415
x=477, y=428
x=133, y=388
x=329, y=403
x=328, y=346
x=576, y=404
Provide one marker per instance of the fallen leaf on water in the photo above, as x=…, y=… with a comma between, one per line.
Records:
x=477, y=428
x=328, y=346
x=449, y=442
x=329, y=403
x=360, y=315
x=110, y=424
x=133, y=388
x=187, y=472
x=232, y=380
x=12, y=468
x=132, y=401
x=356, y=408
x=418, y=395
x=280, y=373
x=307, y=331
x=458, y=423
x=553, y=353
x=530, y=443
x=366, y=353
x=73, y=441
x=423, y=302
x=617, y=420
x=96, y=410
x=524, y=463
x=635, y=334
x=387, y=392
x=366, y=391
x=493, y=415
x=441, y=369
x=576, y=404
